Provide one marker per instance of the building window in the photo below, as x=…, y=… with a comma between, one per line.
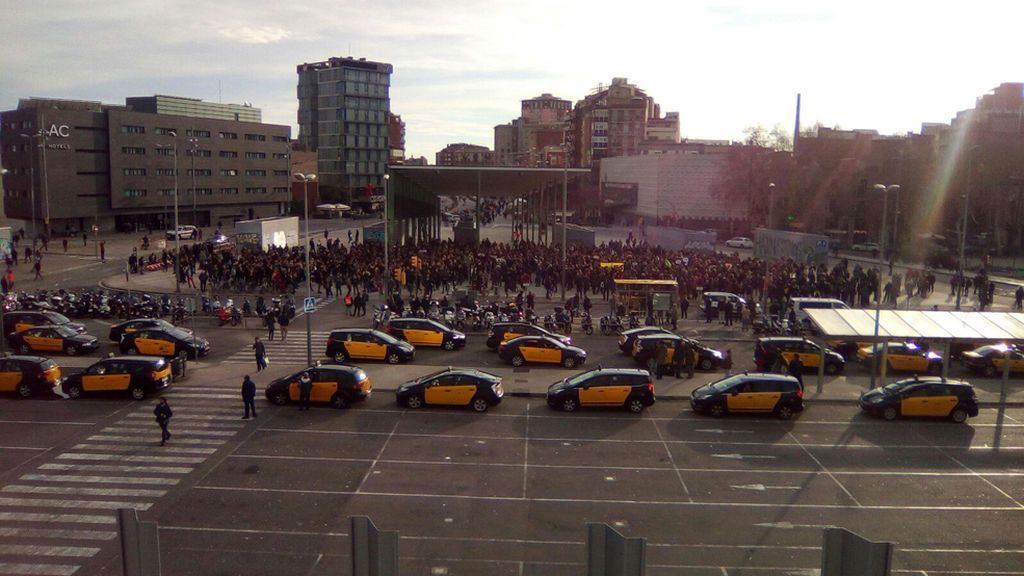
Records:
x=200, y=172
x=229, y=172
x=256, y=137
x=165, y=151
x=229, y=190
x=133, y=129
x=255, y=155
x=165, y=171
x=229, y=135
x=279, y=138
x=134, y=150
x=280, y=190
x=201, y=153
x=166, y=192
x=198, y=133
x=256, y=190
x=201, y=191
x=280, y=172
x=228, y=154
x=255, y=172
x=134, y=171
x=164, y=131
x=134, y=192
x=280, y=156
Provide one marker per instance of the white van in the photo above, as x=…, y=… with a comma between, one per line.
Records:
x=801, y=305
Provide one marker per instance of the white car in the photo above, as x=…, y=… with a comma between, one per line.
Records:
x=184, y=233
x=739, y=242
x=866, y=247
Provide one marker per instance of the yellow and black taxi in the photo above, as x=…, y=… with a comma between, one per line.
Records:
x=903, y=356
x=425, y=332
x=704, y=357
x=505, y=331
x=28, y=376
x=751, y=392
x=135, y=375
x=367, y=344
x=22, y=319
x=167, y=342
x=52, y=339
x=628, y=337
x=452, y=387
x=130, y=326
x=789, y=347
x=541, y=350
x=339, y=386
x=629, y=388
x=922, y=396
x=991, y=360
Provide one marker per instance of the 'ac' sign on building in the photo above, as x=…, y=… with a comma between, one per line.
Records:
x=56, y=131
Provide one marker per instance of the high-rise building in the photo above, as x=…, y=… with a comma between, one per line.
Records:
x=344, y=105
x=465, y=155
x=396, y=138
x=530, y=139
x=611, y=121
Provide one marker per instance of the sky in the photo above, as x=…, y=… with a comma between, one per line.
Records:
x=462, y=66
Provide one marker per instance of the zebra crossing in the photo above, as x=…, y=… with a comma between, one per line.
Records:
x=290, y=351
x=56, y=518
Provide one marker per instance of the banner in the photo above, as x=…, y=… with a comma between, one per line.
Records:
x=613, y=264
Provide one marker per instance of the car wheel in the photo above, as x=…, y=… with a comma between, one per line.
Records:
x=958, y=415
x=569, y=362
x=589, y=330
x=479, y=405
x=71, y=350
x=890, y=413
x=831, y=368
x=74, y=391
x=394, y=358
x=414, y=401
x=449, y=345
x=137, y=393
x=341, y=357
x=279, y=397
x=24, y=349
x=990, y=370
x=635, y=406
x=24, y=390
x=569, y=405
x=705, y=364
x=718, y=410
x=339, y=401
x=784, y=412
x=518, y=360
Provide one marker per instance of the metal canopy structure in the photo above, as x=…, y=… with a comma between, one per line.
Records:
x=930, y=325
x=493, y=182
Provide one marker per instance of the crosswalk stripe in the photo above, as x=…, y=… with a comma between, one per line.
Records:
x=203, y=395
x=37, y=550
x=180, y=417
x=118, y=448
x=149, y=441
x=58, y=518
x=58, y=533
x=221, y=422
x=83, y=491
x=60, y=503
x=148, y=481
x=124, y=458
x=13, y=568
x=176, y=430
x=112, y=468
x=201, y=409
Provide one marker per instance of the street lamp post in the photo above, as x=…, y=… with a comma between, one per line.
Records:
x=177, y=233
x=32, y=180
x=878, y=287
x=306, y=179
x=963, y=225
x=387, y=270
x=194, y=145
x=771, y=203
x=565, y=217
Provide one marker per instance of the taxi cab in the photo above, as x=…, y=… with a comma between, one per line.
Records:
x=704, y=357
x=366, y=344
x=810, y=353
x=922, y=396
x=338, y=386
x=505, y=331
x=129, y=326
x=750, y=392
x=990, y=360
x=903, y=356
x=541, y=350
x=28, y=375
x=135, y=375
x=52, y=339
x=165, y=342
x=628, y=337
x=452, y=387
x=629, y=388
x=425, y=332
x=22, y=319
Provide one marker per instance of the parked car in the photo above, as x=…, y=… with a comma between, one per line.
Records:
x=602, y=387
x=452, y=387
x=922, y=396
x=866, y=247
x=739, y=242
x=776, y=394
x=186, y=232
x=48, y=339
x=135, y=375
x=28, y=375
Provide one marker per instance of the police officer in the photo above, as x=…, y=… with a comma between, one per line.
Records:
x=305, y=388
x=249, y=396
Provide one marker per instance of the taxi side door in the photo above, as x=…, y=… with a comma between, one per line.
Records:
x=532, y=350
x=548, y=352
x=10, y=375
x=512, y=332
x=592, y=392
x=741, y=397
x=463, y=389
x=617, y=388
x=810, y=355
x=915, y=401
x=901, y=359
x=107, y=376
x=355, y=345
x=39, y=340
x=441, y=390
x=153, y=343
x=373, y=347
x=1016, y=361
x=941, y=400
x=24, y=321
x=765, y=396
x=325, y=385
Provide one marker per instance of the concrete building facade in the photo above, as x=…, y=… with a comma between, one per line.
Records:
x=610, y=122
x=465, y=155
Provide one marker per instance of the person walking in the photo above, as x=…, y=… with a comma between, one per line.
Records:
x=38, y=268
x=271, y=323
x=305, y=388
x=103, y=249
x=661, y=358
x=65, y=243
x=163, y=418
x=727, y=363
x=249, y=396
x=679, y=358
x=283, y=319
x=796, y=369
x=349, y=302
x=260, y=350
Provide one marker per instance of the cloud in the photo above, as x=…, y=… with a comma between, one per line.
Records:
x=259, y=35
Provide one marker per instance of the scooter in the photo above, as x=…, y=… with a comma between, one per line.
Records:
x=587, y=323
x=610, y=325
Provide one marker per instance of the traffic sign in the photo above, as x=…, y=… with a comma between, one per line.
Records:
x=309, y=305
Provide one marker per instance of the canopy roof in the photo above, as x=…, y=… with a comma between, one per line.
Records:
x=491, y=181
x=919, y=325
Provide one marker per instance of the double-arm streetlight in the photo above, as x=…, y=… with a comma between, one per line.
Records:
x=177, y=232
x=306, y=179
x=387, y=271
x=878, y=287
x=963, y=224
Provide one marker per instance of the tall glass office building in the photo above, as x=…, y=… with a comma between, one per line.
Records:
x=343, y=116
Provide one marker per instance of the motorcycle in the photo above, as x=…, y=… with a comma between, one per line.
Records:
x=634, y=320
x=610, y=325
x=587, y=323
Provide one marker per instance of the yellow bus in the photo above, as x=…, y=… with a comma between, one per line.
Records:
x=638, y=295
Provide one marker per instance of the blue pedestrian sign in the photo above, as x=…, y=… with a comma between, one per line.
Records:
x=309, y=305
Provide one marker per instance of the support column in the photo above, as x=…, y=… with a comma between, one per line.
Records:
x=945, y=360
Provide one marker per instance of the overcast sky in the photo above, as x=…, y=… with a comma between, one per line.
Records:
x=462, y=66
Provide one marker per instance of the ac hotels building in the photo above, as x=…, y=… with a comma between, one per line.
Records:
x=72, y=164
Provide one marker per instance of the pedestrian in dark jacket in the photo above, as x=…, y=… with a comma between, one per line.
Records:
x=305, y=389
x=271, y=320
x=283, y=319
x=796, y=369
x=249, y=397
x=260, y=350
x=163, y=418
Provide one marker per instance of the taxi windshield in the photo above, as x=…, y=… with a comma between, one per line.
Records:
x=57, y=318
x=437, y=326
x=388, y=338
x=725, y=383
x=178, y=333
x=65, y=332
x=895, y=387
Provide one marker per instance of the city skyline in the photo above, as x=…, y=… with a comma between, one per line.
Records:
x=459, y=71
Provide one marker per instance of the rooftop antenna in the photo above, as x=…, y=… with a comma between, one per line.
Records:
x=220, y=95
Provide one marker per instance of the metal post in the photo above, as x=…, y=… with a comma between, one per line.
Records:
x=945, y=360
x=885, y=220
x=387, y=270
x=878, y=288
x=565, y=218
x=896, y=227
x=195, y=146
x=177, y=234
x=32, y=181
x=885, y=361
x=46, y=187
x=963, y=225
x=771, y=203
x=309, y=281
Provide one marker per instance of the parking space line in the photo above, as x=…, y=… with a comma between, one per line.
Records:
x=58, y=534
x=824, y=469
x=672, y=461
x=36, y=449
x=83, y=491
x=970, y=471
x=380, y=453
x=250, y=531
x=38, y=569
x=38, y=550
x=526, y=452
